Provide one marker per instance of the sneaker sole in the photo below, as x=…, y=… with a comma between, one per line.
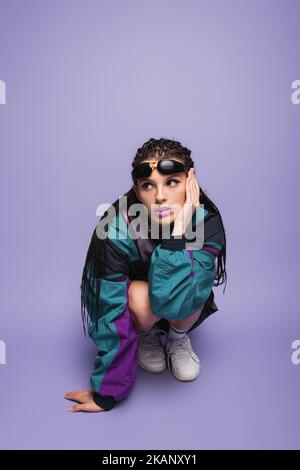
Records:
x=153, y=371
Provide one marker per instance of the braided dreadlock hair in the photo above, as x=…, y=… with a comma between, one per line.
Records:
x=156, y=149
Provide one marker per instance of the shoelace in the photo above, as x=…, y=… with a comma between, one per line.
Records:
x=149, y=339
x=182, y=346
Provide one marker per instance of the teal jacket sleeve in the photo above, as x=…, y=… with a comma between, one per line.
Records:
x=113, y=333
x=116, y=362
x=181, y=279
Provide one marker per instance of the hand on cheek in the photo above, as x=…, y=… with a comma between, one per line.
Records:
x=185, y=214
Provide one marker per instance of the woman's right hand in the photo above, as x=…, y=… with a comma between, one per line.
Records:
x=192, y=201
x=85, y=400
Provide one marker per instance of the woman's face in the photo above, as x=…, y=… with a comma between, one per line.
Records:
x=158, y=191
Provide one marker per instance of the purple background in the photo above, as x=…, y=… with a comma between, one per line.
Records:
x=88, y=82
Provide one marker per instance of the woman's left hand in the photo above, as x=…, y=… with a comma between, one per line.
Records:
x=85, y=400
x=192, y=201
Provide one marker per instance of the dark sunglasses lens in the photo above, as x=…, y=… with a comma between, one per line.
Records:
x=170, y=166
x=142, y=171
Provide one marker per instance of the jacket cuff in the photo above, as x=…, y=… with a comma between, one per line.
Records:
x=174, y=243
x=107, y=403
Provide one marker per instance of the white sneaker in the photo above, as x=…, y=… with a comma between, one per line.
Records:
x=182, y=361
x=151, y=354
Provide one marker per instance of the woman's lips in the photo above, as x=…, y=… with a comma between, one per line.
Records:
x=164, y=212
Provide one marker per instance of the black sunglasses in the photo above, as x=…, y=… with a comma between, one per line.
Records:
x=166, y=167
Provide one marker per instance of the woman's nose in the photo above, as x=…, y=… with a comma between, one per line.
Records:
x=160, y=196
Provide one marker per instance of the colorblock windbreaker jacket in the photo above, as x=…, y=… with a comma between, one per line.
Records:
x=180, y=280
